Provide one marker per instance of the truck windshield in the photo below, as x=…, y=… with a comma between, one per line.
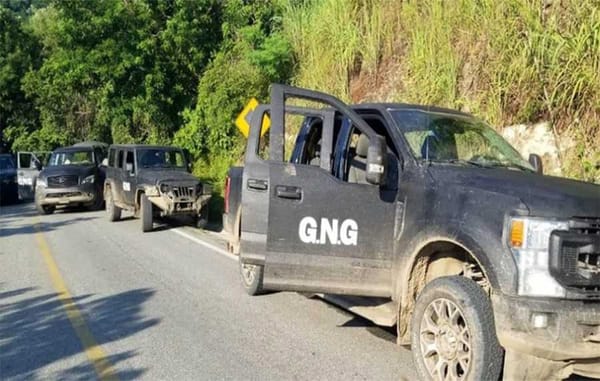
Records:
x=84, y=157
x=456, y=139
x=6, y=162
x=161, y=158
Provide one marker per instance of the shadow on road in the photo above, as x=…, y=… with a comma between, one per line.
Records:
x=35, y=332
x=27, y=227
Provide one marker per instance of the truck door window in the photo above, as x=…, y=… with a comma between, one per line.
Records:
x=356, y=158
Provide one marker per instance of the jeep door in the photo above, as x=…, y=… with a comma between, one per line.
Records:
x=128, y=176
x=311, y=230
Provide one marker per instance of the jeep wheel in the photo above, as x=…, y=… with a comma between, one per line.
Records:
x=146, y=213
x=45, y=209
x=252, y=278
x=112, y=211
x=201, y=220
x=453, y=334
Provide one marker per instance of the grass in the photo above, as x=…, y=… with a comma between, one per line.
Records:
x=513, y=61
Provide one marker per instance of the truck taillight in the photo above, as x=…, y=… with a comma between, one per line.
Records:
x=227, y=188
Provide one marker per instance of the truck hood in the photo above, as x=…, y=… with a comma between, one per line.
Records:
x=544, y=196
x=153, y=176
x=68, y=170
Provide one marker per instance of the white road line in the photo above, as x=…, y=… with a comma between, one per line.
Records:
x=205, y=244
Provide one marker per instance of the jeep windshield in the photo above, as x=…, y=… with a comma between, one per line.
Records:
x=437, y=137
x=161, y=158
x=71, y=157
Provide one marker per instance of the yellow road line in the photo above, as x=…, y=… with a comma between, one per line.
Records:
x=93, y=351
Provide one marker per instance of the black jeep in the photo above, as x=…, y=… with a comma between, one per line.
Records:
x=153, y=181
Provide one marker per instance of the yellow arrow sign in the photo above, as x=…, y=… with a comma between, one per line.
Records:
x=243, y=120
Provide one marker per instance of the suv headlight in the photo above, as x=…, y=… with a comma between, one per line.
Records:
x=528, y=240
x=41, y=182
x=88, y=180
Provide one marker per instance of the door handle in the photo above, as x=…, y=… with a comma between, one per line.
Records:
x=257, y=184
x=289, y=192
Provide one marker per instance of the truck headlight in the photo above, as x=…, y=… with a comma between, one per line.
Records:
x=88, y=180
x=529, y=239
x=40, y=182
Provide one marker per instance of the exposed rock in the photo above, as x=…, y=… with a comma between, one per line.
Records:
x=539, y=139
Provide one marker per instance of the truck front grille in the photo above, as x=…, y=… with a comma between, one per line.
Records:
x=65, y=181
x=575, y=256
x=589, y=263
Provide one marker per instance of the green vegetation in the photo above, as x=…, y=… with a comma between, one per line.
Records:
x=513, y=61
x=179, y=71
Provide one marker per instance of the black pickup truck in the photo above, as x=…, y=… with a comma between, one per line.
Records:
x=489, y=267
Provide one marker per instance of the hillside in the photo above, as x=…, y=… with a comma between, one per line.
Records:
x=511, y=62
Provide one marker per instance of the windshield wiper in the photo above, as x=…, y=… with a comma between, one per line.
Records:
x=455, y=161
x=498, y=164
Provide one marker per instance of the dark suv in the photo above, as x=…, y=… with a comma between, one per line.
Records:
x=72, y=177
x=153, y=181
x=8, y=178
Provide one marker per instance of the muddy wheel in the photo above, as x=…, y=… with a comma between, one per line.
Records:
x=453, y=336
x=146, y=214
x=113, y=212
x=252, y=278
x=201, y=220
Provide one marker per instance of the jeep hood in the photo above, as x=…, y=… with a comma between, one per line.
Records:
x=544, y=196
x=153, y=176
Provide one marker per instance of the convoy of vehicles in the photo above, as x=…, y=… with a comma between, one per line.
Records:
x=485, y=265
x=423, y=218
x=153, y=181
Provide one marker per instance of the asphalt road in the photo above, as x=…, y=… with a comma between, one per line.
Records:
x=81, y=297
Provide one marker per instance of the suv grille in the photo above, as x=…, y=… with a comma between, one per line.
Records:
x=63, y=181
x=575, y=256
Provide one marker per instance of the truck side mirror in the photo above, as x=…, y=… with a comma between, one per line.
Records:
x=536, y=162
x=376, y=161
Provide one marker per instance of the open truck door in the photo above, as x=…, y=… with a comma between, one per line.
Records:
x=304, y=228
x=29, y=165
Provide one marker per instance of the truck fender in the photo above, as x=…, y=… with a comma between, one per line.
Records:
x=497, y=265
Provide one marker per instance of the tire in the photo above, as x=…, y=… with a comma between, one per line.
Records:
x=201, y=220
x=113, y=212
x=252, y=278
x=146, y=214
x=98, y=202
x=45, y=209
x=467, y=332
